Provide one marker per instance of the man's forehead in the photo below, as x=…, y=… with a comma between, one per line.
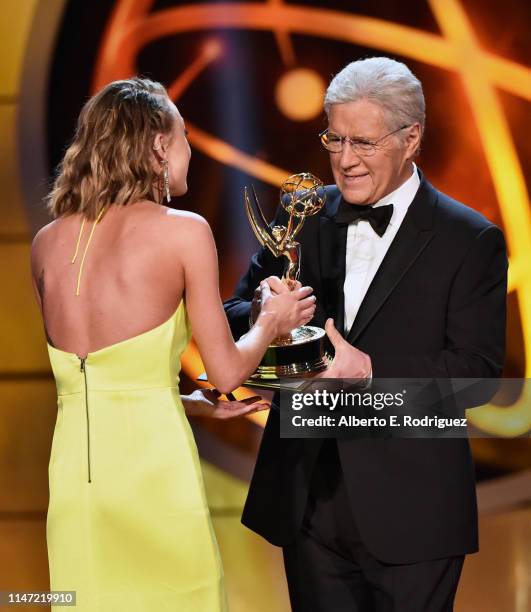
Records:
x=356, y=115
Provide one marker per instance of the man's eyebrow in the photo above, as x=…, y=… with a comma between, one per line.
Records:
x=358, y=138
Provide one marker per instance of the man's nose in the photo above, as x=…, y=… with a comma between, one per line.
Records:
x=348, y=157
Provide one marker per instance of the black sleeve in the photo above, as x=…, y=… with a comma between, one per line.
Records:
x=475, y=323
x=263, y=264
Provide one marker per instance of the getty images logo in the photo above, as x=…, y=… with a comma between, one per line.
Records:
x=323, y=398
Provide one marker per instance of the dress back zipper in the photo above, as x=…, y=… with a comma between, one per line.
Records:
x=83, y=369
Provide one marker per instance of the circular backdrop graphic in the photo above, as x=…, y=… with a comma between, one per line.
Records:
x=249, y=79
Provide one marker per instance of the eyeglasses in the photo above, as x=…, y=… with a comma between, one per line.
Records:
x=334, y=143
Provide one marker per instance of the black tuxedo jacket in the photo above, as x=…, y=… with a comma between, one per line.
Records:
x=436, y=308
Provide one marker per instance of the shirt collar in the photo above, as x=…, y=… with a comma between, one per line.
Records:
x=402, y=196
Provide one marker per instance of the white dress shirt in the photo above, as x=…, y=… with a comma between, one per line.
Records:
x=366, y=250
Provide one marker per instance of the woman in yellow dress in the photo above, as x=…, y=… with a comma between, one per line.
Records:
x=128, y=526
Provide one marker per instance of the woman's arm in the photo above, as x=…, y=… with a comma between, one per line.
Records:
x=228, y=363
x=37, y=273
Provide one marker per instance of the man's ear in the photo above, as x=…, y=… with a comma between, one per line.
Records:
x=413, y=139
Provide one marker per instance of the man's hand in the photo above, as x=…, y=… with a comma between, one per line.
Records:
x=206, y=402
x=349, y=362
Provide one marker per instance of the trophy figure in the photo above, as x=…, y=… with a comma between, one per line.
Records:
x=302, y=350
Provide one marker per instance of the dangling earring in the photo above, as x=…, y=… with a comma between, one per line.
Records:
x=159, y=188
x=166, y=178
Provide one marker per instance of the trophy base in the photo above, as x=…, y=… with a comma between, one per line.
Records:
x=300, y=354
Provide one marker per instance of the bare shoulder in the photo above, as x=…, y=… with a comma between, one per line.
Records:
x=40, y=242
x=187, y=227
x=186, y=217
x=43, y=235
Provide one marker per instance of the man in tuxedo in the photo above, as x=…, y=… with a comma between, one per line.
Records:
x=416, y=285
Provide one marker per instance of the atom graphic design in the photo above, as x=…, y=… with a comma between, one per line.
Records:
x=132, y=26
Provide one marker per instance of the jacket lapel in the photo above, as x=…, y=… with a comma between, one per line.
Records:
x=412, y=238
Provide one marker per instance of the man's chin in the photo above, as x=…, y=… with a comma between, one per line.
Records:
x=355, y=196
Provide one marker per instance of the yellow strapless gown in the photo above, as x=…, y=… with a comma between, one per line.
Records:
x=128, y=525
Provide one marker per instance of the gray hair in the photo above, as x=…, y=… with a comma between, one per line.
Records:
x=386, y=82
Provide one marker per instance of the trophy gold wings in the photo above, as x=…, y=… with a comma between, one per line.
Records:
x=301, y=352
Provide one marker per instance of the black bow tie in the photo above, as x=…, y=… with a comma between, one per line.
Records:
x=378, y=216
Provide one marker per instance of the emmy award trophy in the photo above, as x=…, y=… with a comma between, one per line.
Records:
x=301, y=352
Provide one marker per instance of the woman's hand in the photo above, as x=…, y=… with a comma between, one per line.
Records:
x=206, y=402
x=287, y=308
x=276, y=286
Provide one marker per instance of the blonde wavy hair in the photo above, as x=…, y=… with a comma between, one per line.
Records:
x=110, y=159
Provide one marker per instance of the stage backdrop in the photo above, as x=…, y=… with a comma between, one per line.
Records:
x=249, y=80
